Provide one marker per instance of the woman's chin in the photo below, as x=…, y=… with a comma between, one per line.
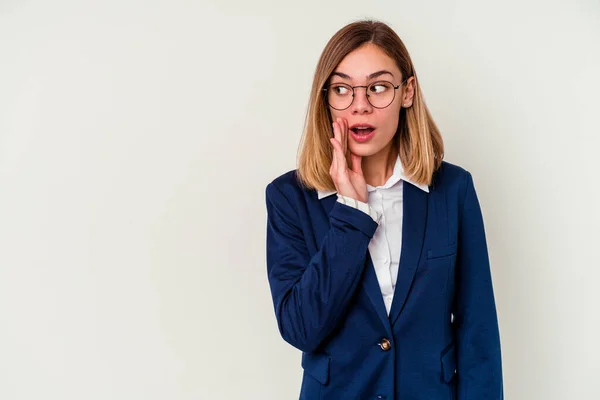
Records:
x=363, y=150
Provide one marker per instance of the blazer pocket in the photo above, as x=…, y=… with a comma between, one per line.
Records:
x=449, y=363
x=317, y=366
x=442, y=251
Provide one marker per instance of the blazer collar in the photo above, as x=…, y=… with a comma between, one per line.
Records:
x=397, y=175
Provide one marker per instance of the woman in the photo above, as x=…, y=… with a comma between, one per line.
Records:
x=376, y=252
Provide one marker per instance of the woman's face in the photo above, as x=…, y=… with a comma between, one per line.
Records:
x=363, y=66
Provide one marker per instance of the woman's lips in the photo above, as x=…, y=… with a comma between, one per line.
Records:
x=362, y=137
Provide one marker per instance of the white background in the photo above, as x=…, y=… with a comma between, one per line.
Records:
x=136, y=140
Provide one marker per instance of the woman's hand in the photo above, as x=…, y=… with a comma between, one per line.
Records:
x=348, y=182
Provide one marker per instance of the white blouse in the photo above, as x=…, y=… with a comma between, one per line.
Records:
x=385, y=207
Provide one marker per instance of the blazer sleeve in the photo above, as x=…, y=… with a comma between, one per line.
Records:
x=310, y=293
x=479, y=364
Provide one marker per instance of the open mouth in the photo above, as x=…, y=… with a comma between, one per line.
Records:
x=362, y=134
x=362, y=130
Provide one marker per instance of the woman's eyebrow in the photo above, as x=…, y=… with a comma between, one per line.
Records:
x=371, y=76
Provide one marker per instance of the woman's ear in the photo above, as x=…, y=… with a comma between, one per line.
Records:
x=409, y=91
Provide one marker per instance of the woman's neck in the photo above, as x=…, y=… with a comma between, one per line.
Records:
x=378, y=168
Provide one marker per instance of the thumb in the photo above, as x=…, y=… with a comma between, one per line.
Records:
x=356, y=163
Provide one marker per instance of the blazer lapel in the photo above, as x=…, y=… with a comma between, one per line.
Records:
x=413, y=233
x=369, y=280
x=371, y=286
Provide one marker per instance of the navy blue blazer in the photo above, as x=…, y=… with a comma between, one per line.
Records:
x=441, y=339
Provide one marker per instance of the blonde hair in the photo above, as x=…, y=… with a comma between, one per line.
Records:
x=417, y=138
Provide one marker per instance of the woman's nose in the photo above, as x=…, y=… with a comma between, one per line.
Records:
x=361, y=103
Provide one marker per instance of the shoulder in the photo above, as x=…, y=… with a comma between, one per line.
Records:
x=451, y=177
x=456, y=184
x=288, y=188
x=286, y=181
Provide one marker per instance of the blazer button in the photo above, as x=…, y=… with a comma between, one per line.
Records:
x=385, y=344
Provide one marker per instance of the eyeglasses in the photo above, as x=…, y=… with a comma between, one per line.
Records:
x=380, y=94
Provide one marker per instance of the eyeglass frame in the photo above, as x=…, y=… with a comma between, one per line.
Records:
x=363, y=86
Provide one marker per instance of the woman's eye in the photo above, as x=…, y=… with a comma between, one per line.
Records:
x=341, y=90
x=378, y=88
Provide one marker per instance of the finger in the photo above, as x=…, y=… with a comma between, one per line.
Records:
x=340, y=154
x=336, y=137
x=333, y=167
x=341, y=165
x=336, y=130
x=340, y=126
x=356, y=163
x=345, y=134
x=348, y=151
